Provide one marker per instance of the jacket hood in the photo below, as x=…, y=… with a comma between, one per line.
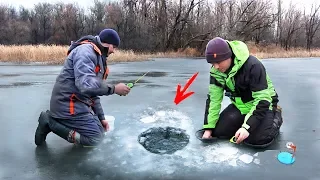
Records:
x=90, y=38
x=241, y=53
x=93, y=39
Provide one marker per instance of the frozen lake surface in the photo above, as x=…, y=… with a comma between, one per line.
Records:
x=25, y=91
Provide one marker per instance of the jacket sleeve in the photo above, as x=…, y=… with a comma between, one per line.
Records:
x=97, y=108
x=262, y=97
x=213, y=102
x=85, y=77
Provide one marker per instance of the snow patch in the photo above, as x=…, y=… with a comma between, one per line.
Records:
x=219, y=154
x=172, y=118
x=246, y=158
x=223, y=154
x=148, y=119
x=132, y=155
x=160, y=113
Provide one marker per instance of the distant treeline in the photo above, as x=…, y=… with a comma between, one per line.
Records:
x=163, y=25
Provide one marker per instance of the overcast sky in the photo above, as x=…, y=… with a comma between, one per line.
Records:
x=87, y=3
x=30, y=3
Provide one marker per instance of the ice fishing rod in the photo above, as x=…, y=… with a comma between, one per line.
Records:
x=130, y=85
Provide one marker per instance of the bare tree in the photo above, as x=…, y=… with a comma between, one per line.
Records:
x=255, y=17
x=181, y=19
x=98, y=15
x=279, y=22
x=201, y=26
x=42, y=21
x=312, y=23
x=219, y=21
x=115, y=16
x=290, y=26
x=162, y=25
x=4, y=29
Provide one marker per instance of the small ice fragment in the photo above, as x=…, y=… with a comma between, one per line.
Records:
x=148, y=119
x=256, y=161
x=161, y=113
x=246, y=158
x=233, y=162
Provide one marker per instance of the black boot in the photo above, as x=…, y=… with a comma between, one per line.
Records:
x=43, y=128
x=63, y=131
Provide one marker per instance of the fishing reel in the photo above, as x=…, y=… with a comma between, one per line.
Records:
x=130, y=85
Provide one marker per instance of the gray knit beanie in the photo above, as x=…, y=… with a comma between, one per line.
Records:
x=217, y=50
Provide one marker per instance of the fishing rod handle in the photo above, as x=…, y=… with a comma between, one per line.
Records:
x=130, y=85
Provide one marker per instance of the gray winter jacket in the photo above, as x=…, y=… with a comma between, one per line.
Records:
x=81, y=81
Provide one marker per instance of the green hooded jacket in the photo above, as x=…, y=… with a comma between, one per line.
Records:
x=248, y=86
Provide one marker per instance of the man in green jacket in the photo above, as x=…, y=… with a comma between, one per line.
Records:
x=253, y=117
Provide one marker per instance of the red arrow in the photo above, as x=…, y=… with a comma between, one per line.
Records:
x=180, y=96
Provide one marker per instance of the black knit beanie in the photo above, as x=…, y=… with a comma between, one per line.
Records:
x=110, y=36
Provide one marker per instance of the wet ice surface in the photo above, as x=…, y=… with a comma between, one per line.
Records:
x=25, y=92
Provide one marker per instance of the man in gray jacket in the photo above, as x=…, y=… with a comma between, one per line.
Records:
x=75, y=111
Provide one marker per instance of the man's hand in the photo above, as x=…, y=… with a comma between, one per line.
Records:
x=241, y=135
x=207, y=134
x=121, y=89
x=105, y=125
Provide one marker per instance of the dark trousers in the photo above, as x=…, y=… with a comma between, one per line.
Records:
x=86, y=131
x=231, y=119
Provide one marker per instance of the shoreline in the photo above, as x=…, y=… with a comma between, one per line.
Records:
x=56, y=55
x=124, y=62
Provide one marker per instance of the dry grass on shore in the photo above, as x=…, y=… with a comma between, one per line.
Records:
x=51, y=54
x=273, y=51
x=29, y=53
